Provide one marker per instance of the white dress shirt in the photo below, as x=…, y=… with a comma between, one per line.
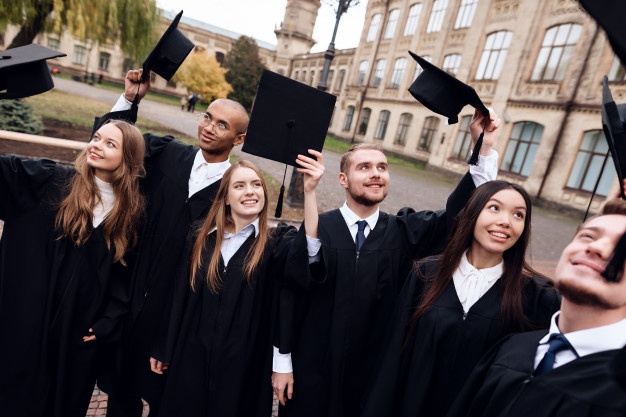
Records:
x=471, y=283
x=204, y=173
x=106, y=203
x=586, y=342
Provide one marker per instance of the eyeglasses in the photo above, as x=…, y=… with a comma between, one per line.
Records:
x=219, y=128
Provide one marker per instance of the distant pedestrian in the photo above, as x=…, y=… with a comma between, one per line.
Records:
x=183, y=103
x=100, y=77
x=191, y=105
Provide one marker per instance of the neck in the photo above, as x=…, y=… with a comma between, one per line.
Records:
x=103, y=176
x=481, y=259
x=212, y=158
x=241, y=222
x=574, y=317
x=361, y=210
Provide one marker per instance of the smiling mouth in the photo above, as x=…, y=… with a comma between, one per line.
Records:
x=374, y=186
x=499, y=234
x=95, y=155
x=249, y=203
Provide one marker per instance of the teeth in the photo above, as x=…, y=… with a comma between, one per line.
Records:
x=496, y=234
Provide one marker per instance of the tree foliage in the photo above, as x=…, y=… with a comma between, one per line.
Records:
x=202, y=74
x=17, y=116
x=244, y=70
x=131, y=22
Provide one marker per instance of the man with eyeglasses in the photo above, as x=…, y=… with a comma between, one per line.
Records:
x=180, y=184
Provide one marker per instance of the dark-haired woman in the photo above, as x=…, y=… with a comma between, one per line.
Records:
x=218, y=345
x=63, y=287
x=460, y=304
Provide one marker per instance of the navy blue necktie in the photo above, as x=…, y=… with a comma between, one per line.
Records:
x=360, y=234
x=558, y=342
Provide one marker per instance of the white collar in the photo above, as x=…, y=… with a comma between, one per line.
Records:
x=596, y=339
x=245, y=231
x=490, y=274
x=351, y=217
x=213, y=166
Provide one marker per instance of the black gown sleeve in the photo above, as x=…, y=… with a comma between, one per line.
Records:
x=108, y=326
x=21, y=183
x=155, y=144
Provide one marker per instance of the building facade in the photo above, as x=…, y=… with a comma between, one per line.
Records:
x=538, y=63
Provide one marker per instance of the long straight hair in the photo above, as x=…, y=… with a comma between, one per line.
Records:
x=220, y=218
x=75, y=215
x=516, y=272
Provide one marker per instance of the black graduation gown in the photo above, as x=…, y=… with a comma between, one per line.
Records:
x=503, y=385
x=156, y=260
x=342, y=322
x=424, y=378
x=617, y=368
x=219, y=346
x=51, y=293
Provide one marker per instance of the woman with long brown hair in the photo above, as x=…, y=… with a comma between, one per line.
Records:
x=63, y=284
x=459, y=304
x=218, y=345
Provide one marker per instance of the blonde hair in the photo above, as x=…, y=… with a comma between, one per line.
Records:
x=220, y=218
x=75, y=215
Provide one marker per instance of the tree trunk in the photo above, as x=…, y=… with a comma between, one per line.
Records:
x=32, y=27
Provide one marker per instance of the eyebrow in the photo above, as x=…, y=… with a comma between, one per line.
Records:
x=500, y=202
x=113, y=140
x=224, y=122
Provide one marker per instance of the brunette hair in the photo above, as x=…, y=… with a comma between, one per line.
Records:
x=345, y=158
x=75, y=215
x=220, y=218
x=516, y=272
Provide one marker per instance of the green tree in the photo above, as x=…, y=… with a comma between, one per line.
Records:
x=17, y=116
x=131, y=22
x=202, y=74
x=244, y=70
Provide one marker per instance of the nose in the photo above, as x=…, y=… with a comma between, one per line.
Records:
x=504, y=220
x=249, y=190
x=602, y=247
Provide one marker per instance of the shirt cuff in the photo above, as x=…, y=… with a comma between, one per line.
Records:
x=281, y=362
x=486, y=170
x=313, y=246
x=122, y=104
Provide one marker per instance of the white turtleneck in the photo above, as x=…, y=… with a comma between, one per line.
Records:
x=104, y=206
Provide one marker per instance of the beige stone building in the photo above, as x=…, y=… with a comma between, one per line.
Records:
x=538, y=63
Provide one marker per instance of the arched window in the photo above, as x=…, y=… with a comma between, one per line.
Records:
x=588, y=165
x=451, y=63
x=418, y=68
x=381, y=127
x=403, y=128
x=342, y=75
x=463, y=144
x=398, y=72
x=494, y=54
x=617, y=71
x=556, y=52
x=379, y=71
x=365, y=120
x=373, y=31
x=436, y=16
x=522, y=147
x=466, y=14
x=362, y=72
x=413, y=19
x=392, y=22
x=431, y=125
x=349, y=116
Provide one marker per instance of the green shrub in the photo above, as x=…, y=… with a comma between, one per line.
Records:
x=17, y=116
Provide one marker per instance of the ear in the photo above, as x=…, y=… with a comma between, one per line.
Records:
x=343, y=180
x=239, y=139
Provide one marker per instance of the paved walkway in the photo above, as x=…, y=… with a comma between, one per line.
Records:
x=409, y=187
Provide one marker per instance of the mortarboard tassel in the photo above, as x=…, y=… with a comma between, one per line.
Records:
x=474, y=158
x=615, y=268
x=279, y=203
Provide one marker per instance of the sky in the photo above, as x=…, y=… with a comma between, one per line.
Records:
x=259, y=18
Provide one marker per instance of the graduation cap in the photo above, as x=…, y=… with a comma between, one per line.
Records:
x=287, y=119
x=610, y=16
x=169, y=53
x=24, y=72
x=614, y=124
x=444, y=94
